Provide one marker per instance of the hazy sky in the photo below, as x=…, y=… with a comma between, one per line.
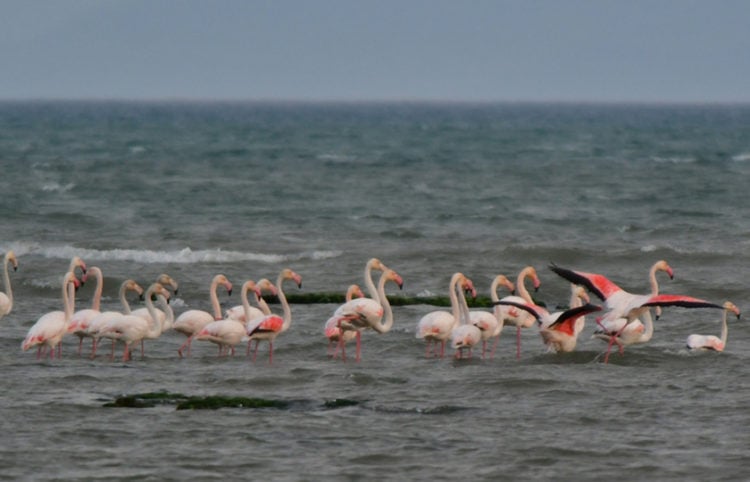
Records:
x=544, y=50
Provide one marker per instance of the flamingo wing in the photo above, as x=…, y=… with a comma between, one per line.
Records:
x=566, y=321
x=679, y=300
x=536, y=311
x=598, y=284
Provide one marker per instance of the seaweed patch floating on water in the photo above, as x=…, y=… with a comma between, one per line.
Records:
x=214, y=402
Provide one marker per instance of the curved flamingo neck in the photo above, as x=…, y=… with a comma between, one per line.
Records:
x=68, y=296
x=6, y=282
x=155, y=327
x=96, y=301
x=284, y=303
x=385, y=326
x=652, y=279
x=455, y=308
x=169, y=318
x=215, y=298
x=724, y=329
x=649, y=322
x=369, y=283
x=464, y=307
x=123, y=299
x=245, y=301
x=521, y=286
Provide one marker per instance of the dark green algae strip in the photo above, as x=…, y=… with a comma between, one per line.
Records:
x=211, y=402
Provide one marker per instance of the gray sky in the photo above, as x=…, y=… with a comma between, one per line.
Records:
x=463, y=50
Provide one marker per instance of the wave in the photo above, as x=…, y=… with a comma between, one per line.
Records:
x=741, y=157
x=147, y=256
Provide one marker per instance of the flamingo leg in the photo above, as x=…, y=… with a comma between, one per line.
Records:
x=484, y=348
x=80, y=345
x=187, y=343
x=442, y=349
x=494, y=347
x=270, y=352
x=359, y=345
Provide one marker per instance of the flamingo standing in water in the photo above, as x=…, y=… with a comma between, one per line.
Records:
x=131, y=328
x=562, y=335
x=6, y=299
x=81, y=319
x=436, y=326
x=510, y=314
x=710, y=342
x=49, y=329
x=491, y=324
x=270, y=326
x=227, y=333
x=624, y=308
x=368, y=313
x=357, y=304
x=192, y=321
x=331, y=328
x=465, y=335
x=96, y=324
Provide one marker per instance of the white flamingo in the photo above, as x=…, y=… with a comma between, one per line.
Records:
x=6, y=299
x=465, y=335
x=168, y=282
x=491, y=324
x=510, y=314
x=132, y=329
x=436, y=326
x=331, y=329
x=49, y=329
x=227, y=333
x=270, y=326
x=192, y=321
x=81, y=319
x=368, y=313
x=96, y=324
x=710, y=342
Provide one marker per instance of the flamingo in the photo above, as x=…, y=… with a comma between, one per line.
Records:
x=131, y=328
x=436, y=326
x=354, y=304
x=710, y=342
x=466, y=335
x=625, y=308
x=192, y=321
x=562, y=336
x=270, y=326
x=227, y=333
x=166, y=281
x=77, y=262
x=96, y=324
x=6, y=299
x=510, y=315
x=491, y=324
x=81, y=319
x=367, y=313
x=331, y=328
x=50, y=328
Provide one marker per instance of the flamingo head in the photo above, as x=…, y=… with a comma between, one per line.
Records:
x=289, y=274
x=77, y=262
x=391, y=275
x=10, y=257
x=729, y=306
x=265, y=286
x=468, y=286
x=354, y=291
x=131, y=285
x=503, y=280
x=375, y=263
x=227, y=284
x=158, y=289
x=531, y=273
x=250, y=285
x=164, y=279
x=580, y=292
x=662, y=265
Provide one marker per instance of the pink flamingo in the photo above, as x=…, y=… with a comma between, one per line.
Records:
x=81, y=319
x=331, y=328
x=465, y=335
x=562, y=335
x=227, y=333
x=711, y=342
x=49, y=329
x=510, y=314
x=132, y=329
x=436, y=326
x=192, y=321
x=625, y=308
x=491, y=324
x=368, y=313
x=270, y=326
x=105, y=317
x=6, y=299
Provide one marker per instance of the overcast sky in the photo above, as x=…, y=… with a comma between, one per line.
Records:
x=462, y=50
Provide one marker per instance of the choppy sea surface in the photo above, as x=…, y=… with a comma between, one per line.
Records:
x=247, y=189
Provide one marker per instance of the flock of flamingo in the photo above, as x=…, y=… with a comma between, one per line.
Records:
x=626, y=319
